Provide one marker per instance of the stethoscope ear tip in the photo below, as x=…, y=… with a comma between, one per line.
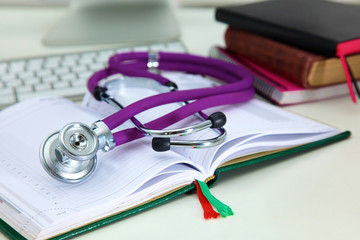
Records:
x=218, y=119
x=161, y=144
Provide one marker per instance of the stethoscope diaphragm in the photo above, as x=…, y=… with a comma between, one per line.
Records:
x=62, y=167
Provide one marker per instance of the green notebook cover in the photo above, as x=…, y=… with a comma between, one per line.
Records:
x=12, y=234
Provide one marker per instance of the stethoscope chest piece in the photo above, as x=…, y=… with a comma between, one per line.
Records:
x=70, y=155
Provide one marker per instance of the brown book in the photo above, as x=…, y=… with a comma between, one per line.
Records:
x=308, y=69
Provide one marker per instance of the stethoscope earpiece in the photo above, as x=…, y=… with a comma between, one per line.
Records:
x=218, y=119
x=215, y=120
x=161, y=144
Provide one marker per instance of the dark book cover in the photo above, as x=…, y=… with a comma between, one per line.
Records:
x=314, y=25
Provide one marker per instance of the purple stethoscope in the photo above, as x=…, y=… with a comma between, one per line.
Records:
x=70, y=154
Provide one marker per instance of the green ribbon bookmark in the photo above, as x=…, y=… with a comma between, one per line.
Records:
x=222, y=208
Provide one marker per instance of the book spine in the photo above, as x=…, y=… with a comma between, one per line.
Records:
x=287, y=61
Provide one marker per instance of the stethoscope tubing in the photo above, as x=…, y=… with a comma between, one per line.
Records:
x=238, y=89
x=177, y=115
x=161, y=133
x=142, y=105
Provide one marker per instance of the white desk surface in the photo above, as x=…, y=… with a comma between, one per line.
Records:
x=314, y=195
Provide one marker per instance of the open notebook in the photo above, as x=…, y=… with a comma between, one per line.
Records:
x=131, y=177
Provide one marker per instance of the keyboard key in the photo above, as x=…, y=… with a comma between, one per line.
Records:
x=101, y=59
x=16, y=66
x=6, y=91
x=26, y=74
x=7, y=77
x=96, y=67
x=65, y=92
x=49, y=79
x=31, y=81
x=85, y=60
x=51, y=65
x=85, y=74
x=24, y=89
x=7, y=99
x=44, y=73
x=78, y=68
x=13, y=83
x=62, y=70
x=42, y=87
x=35, y=63
x=63, y=84
x=68, y=77
x=79, y=82
x=69, y=63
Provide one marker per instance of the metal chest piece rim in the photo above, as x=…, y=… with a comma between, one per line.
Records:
x=70, y=154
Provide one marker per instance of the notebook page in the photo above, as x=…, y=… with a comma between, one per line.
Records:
x=268, y=126
x=120, y=172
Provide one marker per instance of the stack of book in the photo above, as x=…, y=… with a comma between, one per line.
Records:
x=294, y=56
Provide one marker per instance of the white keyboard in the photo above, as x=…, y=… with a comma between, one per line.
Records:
x=34, y=2
x=63, y=75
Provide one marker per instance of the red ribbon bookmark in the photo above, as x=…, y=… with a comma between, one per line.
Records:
x=209, y=212
x=345, y=49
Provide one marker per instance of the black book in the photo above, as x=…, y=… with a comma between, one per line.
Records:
x=314, y=25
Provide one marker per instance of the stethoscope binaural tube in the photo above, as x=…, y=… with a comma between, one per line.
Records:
x=72, y=165
x=161, y=138
x=135, y=64
x=215, y=121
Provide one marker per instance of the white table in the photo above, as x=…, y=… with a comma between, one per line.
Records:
x=314, y=195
